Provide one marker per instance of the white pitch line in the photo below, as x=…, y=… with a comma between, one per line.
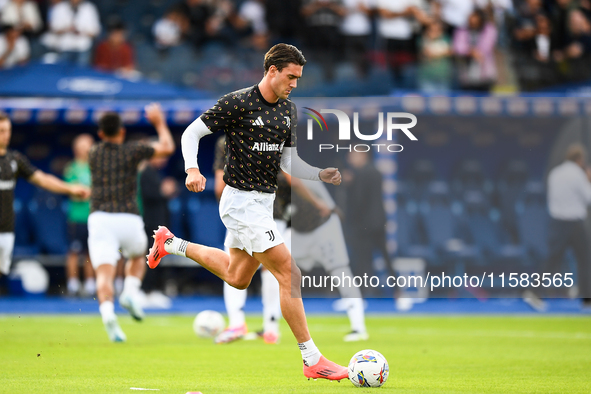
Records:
x=139, y=388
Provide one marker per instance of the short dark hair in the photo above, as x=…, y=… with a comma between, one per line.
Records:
x=4, y=116
x=110, y=124
x=282, y=55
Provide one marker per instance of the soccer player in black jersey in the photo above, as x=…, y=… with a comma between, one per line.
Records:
x=115, y=226
x=259, y=124
x=15, y=165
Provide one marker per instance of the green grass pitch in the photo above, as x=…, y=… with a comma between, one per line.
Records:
x=427, y=354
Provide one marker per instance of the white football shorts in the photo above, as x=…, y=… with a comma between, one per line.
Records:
x=248, y=217
x=113, y=234
x=325, y=246
x=6, y=247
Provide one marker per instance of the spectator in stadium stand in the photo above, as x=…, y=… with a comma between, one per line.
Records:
x=323, y=20
x=14, y=48
x=169, y=30
x=579, y=40
x=453, y=13
x=115, y=54
x=542, y=42
x=211, y=22
x=559, y=18
x=14, y=165
x=284, y=20
x=356, y=29
x=396, y=27
x=200, y=16
x=569, y=196
x=252, y=16
x=78, y=172
x=526, y=24
x=435, y=68
x=22, y=14
x=474, y=47
x=365, y=216
x=73, y=26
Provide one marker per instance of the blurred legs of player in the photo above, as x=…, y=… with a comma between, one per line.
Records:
x=6, y=247
x=235, y=299
x=78, y=234
x=109, y=233
x=72, y=263
x=326, y=246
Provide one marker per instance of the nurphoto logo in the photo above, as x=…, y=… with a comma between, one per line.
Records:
x=392, y=124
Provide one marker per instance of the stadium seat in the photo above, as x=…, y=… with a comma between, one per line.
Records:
x=409, y=235
x=422, y=174
x=177, y=209
x=468, y=176
x=49, y=224
x=23, y=235
x=511, y=190
x=532, y=222
x=203, y=219
x=482, y=225
x=440, y=216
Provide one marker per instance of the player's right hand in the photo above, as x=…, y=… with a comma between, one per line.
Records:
x=79, y=192
x=154, y=114
x=195, y=182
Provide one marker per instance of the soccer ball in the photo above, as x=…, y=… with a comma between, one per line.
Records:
x=208, y=324
x=368, y=368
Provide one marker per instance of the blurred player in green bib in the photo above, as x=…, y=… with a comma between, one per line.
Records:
x=78, y=172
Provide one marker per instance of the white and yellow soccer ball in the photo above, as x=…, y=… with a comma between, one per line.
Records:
x=368, y=368
x=208, y=324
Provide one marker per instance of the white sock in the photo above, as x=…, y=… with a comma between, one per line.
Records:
x=310, y=352
x=132, y=284
x=351, y=297
x=176, y=246
x=90, y=286
x=107, y=310
x=356, y=314
x=234, y=299
x=271, y=302
x=73, y=285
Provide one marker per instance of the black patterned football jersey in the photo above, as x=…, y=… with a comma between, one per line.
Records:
x=256, y=133
x=113, y=168
x=283, y=193
x=13, y=165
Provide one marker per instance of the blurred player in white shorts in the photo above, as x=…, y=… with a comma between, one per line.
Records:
x=14, y=165
x=114, y=224
x=317, y=239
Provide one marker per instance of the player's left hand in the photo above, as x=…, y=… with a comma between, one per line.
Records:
x=79, y=191
x=331, y=175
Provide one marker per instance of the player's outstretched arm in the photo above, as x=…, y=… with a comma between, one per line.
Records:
x=56, y=185
x=164, y=147
x=292, y=164
x=195, y=182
